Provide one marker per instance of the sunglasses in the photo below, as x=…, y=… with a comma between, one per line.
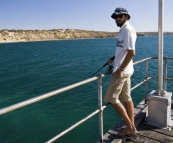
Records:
x=118, y=16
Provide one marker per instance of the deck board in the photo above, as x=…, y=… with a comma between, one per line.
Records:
x=154, y=135
x=147, y=133
x=155, y=129
x=142, y=139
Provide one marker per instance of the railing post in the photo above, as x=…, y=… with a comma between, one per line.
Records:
x=101, y=110
x=146, y=83
x=165, y=73
x=160, y=48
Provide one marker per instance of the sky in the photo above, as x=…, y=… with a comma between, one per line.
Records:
x=82, y=14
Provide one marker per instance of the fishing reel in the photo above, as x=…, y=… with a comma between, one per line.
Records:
x=110, y=68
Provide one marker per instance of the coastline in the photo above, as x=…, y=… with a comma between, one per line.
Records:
x=3, y=42
x=8, y=36
x=13, y=36
x=23, y=41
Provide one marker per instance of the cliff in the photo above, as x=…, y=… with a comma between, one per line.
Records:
x=54, y=34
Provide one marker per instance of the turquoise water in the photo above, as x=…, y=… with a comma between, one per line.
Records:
x=34, y=68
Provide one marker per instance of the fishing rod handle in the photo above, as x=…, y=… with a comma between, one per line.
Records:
x=112, y=58
x=109, y=61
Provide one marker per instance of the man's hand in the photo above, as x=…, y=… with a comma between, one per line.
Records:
x=110, y=60
x=117, y=73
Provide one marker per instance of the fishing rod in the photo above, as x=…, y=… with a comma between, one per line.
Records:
x=107, y=63
x=90, y=77
x=109, y=70
x=99, y=69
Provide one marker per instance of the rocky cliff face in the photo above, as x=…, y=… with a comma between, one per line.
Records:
x=54, y=34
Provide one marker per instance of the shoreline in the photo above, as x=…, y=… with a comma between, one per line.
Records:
x=16, y=36
x=23, y=41
x=4, y=42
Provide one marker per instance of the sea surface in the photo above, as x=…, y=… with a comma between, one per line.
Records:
x=30, y=69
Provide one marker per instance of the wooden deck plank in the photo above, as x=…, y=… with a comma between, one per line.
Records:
x=141, y=139
x=154, y=135
x=108, y=138
x=155, y=129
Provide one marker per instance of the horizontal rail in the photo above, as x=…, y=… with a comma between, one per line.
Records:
x=44, y=96
x=142, y=82
x=150, y=58
x=47, y=95
x=143, y=60
x=75, y=125
x=168, y=58
x=169, y=78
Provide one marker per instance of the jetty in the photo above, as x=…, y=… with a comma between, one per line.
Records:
x=146, y=133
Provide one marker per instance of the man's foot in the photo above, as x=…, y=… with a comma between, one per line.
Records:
x=128, y=133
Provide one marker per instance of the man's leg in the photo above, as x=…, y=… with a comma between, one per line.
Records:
x=117, y=87
x=130, y=129
x=130, y=110
x=126, y=97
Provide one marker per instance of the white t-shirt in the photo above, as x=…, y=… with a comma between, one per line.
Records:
x=125, y=41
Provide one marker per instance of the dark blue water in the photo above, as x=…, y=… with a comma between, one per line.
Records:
x=34, y=68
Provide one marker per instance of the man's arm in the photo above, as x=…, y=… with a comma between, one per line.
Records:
x=128, y=58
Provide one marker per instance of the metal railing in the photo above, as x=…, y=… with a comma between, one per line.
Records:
x=100, y=107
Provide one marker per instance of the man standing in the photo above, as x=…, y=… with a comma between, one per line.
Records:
x=119, y=88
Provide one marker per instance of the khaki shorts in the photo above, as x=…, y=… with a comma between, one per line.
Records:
x=119, y=89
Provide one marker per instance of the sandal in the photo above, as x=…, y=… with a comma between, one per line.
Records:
x=123, y=134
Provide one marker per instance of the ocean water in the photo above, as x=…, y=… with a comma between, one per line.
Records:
x=29, y=69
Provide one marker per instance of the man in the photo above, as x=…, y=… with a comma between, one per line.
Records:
x=119, y=88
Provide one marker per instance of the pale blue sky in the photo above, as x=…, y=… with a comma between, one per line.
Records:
x=82, y=14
